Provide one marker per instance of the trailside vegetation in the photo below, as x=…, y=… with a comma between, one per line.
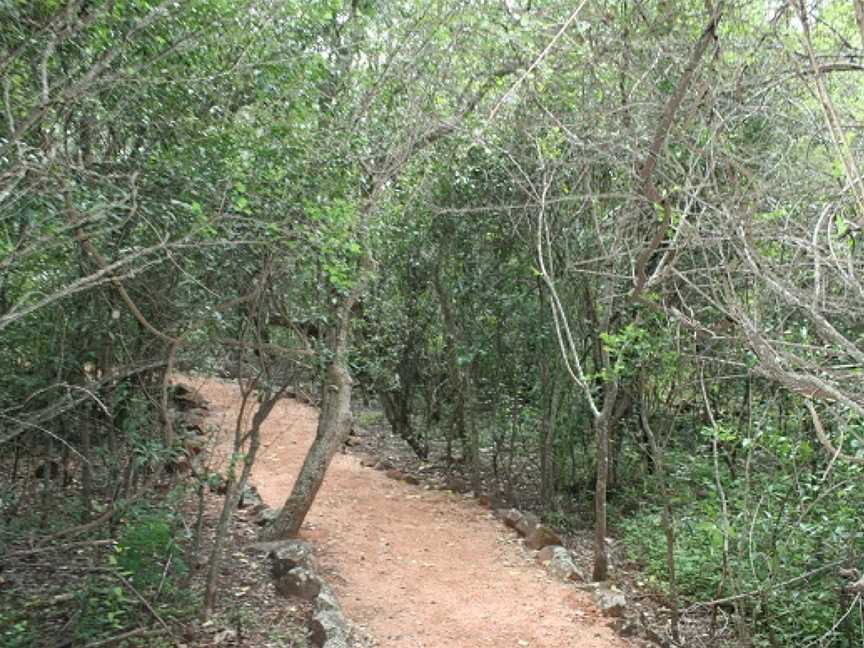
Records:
x=603, y=259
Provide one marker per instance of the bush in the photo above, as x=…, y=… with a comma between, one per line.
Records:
x=148, y=553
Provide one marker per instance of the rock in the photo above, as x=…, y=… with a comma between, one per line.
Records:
x=300, y=582
x=526, y=525
x=542, y=536
x=457, y=485
x=286, y=555
x=329, y=629
x=369, y=462
x=510, y=517
x=224, y=636
x=625, y=628
x=559, y=563
x=194, y=420
x=327, y=599
x=265, y=547
x=256, y=510
x=295, y=574
x=193, y=445
x=266, y=516
x=188, y=398
x=249, y=497
x=358, y=431
x=610, y=602
x=547, y=553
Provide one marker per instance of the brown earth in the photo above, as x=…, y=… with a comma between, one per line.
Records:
x=416, y=568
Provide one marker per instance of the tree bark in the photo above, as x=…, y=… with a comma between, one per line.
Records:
x=460, y=381
x=235, y=488
x=666, y=515
x=601, y=431
x=334, y=425
x=551, y=386
x=397, y=409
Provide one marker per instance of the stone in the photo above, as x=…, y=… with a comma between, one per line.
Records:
x=225, y=636
x=195, y=419
x=193, y=445
x=547, y=553
x=249, y=497
x=266, y=516
x=510, y=517
x=299, y=582
x=625, y=628
x=265, y=547
x=327, y=599
x=457, y=485
x=559, y=563
x=329, y=629
x=286, y=555
x=369, y=462
x=526, y=525
x=541, y=536
x=610, y=602
x=188, y=398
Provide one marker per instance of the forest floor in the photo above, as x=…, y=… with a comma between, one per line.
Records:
x=412, y=566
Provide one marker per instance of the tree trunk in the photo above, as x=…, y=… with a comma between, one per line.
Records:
x=551, y=386
x=623, y=406
x=164, y=411
x=601, y=560
x=334, y=425
x=460, y=381
x=397, y=409
x=473, y=441
x=601, y=431
x=235, y=489
x=86, y=472
x=666, y=516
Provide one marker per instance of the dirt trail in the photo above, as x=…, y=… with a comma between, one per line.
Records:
x=416, y=568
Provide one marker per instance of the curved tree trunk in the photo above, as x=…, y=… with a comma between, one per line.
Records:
x=334, y=425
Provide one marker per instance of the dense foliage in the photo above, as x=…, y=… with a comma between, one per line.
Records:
x=587, y=252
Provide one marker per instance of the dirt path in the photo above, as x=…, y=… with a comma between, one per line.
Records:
x=416, y=568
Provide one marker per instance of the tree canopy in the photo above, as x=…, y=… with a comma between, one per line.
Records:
x=602, y=257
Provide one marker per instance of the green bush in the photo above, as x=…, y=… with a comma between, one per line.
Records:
x=787, y=527
x=147, y=552
x=15, y=630
x=105, y=608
